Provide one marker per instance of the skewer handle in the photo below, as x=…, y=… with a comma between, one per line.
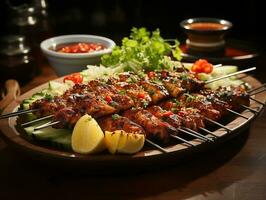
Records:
x=232, y=74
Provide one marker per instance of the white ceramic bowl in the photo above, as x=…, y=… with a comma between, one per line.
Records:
x=67, y=63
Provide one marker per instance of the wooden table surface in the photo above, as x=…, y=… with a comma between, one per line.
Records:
x=234, y=170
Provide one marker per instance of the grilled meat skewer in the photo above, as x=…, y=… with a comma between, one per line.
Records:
x=128, y=87
x=117, y=122
x=120, y=93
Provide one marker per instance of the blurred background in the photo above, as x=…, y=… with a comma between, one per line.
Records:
x=36, y=20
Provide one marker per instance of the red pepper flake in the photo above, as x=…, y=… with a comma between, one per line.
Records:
x=108, y=99
x=181, y=113
x=141, y=95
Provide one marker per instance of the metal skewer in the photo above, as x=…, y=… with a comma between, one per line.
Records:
x=255, y=89
x=232, y=111
x=192, y=134
x=207, y=131
x=46, y=125
x=36, y=120
x=21, y=112
x=156, y=145
x=259, y=102
x=258, y=92
x=218, y=65
x=250, y=109
x=183, y=140
x=196, y=133
x=217, y=123
x=236, y=113
x=232, y=74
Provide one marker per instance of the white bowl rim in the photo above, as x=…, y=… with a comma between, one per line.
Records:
x=108, y=49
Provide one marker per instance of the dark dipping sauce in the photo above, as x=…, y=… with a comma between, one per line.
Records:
x=78, y=47
x=206, y=26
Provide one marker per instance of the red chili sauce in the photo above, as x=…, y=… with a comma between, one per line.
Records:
x=205, y=26
x=81, y=47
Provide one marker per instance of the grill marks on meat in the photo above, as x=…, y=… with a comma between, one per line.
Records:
x=189, y=117
x=157, y=92
x=153, y=126
x=138, y=95
x=184, y=81
x=173, y=87
x=68, y=118
x=166, y=116
x=127, y=90
x=119, y=123
x=232, y=96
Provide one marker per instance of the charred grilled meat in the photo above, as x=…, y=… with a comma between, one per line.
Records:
x=117, y=122
x=154, y=127
x=156, y=104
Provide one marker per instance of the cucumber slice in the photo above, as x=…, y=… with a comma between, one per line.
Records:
x=62, y=142
x=59, y=138
x=204, y=76
x=53, y=85
x=46, y=133
x=226, y=69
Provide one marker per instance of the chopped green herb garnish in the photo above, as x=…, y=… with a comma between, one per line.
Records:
x=122, y=92
x=174, y=81
x=156, y=80
x=190, y=98
x=176, y=102
x=89, y=118
x=145, y=104
x=184, y=77
x=174, y=110
x=151, y=92
x=115, y=117
x=113, y=104
x=132, y=79
x=48, y=97
x=141, y=74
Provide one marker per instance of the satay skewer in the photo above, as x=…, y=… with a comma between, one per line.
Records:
x=207, y=82
x=14, y=114
x=229, y=75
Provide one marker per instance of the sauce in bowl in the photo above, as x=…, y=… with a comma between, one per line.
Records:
x=80, y=47
x=206, y=26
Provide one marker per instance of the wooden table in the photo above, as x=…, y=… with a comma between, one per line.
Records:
x=235, y=170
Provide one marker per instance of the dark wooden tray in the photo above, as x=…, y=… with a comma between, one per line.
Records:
x=145, y=158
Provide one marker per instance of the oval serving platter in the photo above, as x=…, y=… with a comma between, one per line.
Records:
x=147, y=157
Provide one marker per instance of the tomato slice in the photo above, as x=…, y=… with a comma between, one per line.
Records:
x=207, y=68
x=75, y=78
x=151, y=74
x=202, y=66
